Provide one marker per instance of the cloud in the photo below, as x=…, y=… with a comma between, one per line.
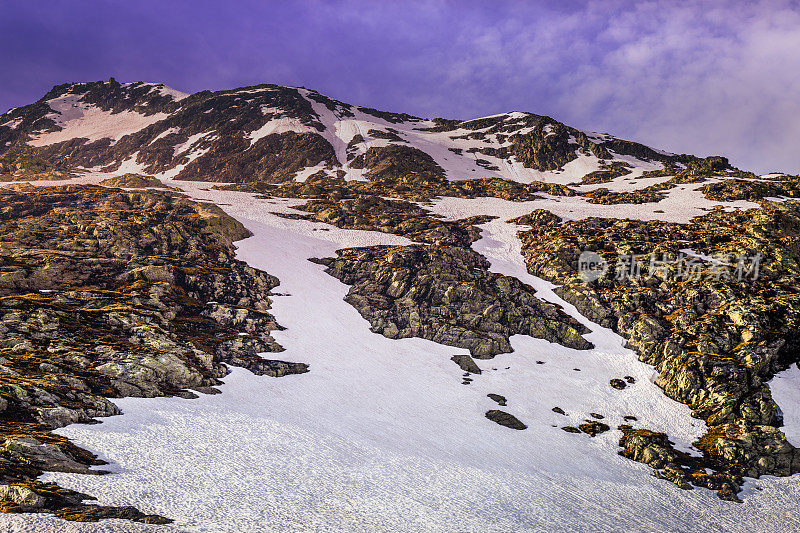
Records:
x=701, y=77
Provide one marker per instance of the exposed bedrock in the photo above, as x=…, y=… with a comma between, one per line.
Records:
x=448, y=295
x=106, y=293
x=716, y=337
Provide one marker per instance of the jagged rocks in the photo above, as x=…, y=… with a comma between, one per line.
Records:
x=655, y=450
x=447, y=295
x=715, y=337
x=411, y=187
x=22, y=496
x=752, y=189
x=24, y=165
x=618, y=383
x=505, y=419
x=106, y=293
x=398, y=217
x=694, y=171
x=608, y=172
x=396, y=160
x=42, y=455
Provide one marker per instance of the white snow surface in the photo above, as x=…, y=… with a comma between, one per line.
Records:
x=682, y=203
x=78, y=119
x=381, y=435
x=278, y=125
x=785, y=388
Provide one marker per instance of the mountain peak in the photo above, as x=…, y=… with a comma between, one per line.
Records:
x=275, y=133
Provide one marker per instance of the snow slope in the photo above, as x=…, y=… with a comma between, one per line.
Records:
x=381, y=434
x=785, y=389
x=80, y=120
x=459, y=152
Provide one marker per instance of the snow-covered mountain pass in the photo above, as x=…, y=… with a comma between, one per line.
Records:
x=381, y=434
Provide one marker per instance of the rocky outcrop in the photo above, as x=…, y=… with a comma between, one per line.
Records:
x=134, y=181
x=752, y=189
x=716, y=331
x=608, y=172
x=695, y=170
x=543, y=143
x=25, y=165
x=447, y=294
x=413, y=188
x=396, y=160
x=466, y=363
x=393, y=216
x=657, y=451
x=106, y=293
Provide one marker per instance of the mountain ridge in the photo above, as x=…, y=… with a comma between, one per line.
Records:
x=274, y=133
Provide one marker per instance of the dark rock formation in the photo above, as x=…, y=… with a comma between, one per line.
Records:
x=467, y=364
x=505, y=419
x=752, y=189
x=593, y=427
x=500, y=399
x=392, y=216
x=106, y=293
x=716, y=332
x=413, y=187
x=447, y=295
x=25, y=165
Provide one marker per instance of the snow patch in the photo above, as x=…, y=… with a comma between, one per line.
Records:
x=84, y=121
x=13, y=124
x=381, y=434
x=785, y=389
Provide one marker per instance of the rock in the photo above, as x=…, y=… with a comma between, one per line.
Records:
x=618, y=384
x=505, y=419
x=466, y=363
x=715, y=362
x=134, y=181
x=501, y=400
x=107, y=299
x=593, y=427
x=448, y=295
x=43, y=455
x=22, y=496
x=559, y=411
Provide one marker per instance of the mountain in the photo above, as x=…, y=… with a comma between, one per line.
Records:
x=293, y=311
x=274, y=133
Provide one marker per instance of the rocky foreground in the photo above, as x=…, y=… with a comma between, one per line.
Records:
x=106, y=293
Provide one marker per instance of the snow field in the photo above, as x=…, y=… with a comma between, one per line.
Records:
x=381, y=435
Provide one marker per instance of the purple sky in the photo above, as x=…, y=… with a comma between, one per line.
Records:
x=698, y=76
